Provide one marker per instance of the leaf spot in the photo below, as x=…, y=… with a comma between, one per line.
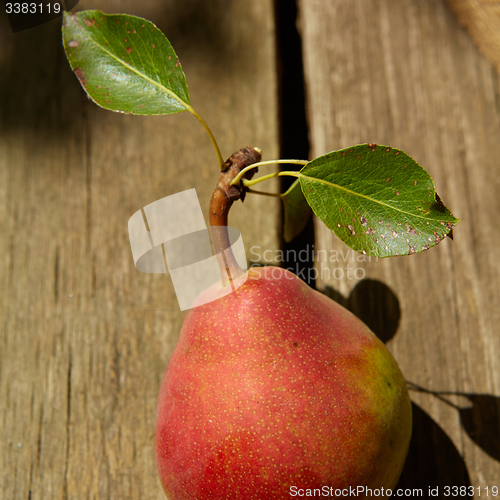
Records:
x=410, y=230
x=351, y=229
x=128, y=50
x=414, y=183
x=373, y=147
x=89, y=23
x=79, y=75
x=370, y=231
x=387, y=180
x=154, y=46
x=363, y=221
x=73, y=43
x=387, y=150
x=397, y=193
x=412, y=250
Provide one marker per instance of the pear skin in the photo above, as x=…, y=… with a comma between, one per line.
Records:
x=275, y=388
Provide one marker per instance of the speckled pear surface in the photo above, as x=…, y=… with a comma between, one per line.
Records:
x=275, y=386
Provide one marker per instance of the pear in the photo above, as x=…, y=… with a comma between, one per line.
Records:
x=275, y=391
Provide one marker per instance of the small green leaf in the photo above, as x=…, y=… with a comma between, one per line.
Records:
x=124, y=63
x=297, y=211
x=377, y=200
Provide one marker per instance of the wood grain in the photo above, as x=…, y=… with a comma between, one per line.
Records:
x=481, y=18
x=403, y=73
x=84, y=336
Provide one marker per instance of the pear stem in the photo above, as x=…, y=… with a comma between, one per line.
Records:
x=223, y=197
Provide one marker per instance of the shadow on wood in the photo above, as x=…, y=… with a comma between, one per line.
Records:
x=375, y=304
x=481, y=420
x=433, y=460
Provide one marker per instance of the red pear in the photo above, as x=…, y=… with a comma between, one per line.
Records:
x=274, y=390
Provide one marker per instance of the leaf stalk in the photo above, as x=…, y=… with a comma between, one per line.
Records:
x=237, y=179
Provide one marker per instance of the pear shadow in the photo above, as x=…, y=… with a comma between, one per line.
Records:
x=433, y=461
x=375, y=304
x=481, y=420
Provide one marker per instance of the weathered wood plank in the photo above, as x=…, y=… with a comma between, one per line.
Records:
x=84, y=336
x=481, y=18
x=403, y=73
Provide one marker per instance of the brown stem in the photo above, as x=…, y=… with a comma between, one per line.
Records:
x=221, y=201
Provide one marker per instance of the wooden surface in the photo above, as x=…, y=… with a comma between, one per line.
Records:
x=85, y=337
x=403, y=73
x=481, y=18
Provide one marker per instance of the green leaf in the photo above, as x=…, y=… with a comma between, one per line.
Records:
x=297, y=211
x=124, y=63
x=376, y=199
